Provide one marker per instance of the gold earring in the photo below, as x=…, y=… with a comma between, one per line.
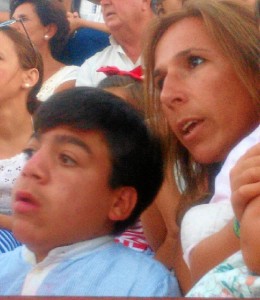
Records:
x=27, y=85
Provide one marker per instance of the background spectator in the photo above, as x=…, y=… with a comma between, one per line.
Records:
x=48, y=28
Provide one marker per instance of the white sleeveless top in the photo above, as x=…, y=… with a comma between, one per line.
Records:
x=66, y=73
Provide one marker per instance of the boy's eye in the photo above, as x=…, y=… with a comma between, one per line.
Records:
x=29, y=153
x=67, y=160
x=194, y=61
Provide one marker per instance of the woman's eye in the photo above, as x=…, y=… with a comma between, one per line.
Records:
x=23, y=19
x=158, y=83
x=29, y=152
x=67, y=160
x=194, y=61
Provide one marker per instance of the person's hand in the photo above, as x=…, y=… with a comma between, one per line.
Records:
x=245, y=180
x=74, y=20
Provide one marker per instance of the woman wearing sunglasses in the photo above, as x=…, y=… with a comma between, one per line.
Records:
x=48, y=28
x=21, y=71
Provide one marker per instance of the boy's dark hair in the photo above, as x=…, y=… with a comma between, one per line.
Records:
x=49, y=12
x=136, y=155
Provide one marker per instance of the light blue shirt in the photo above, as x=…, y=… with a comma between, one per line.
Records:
x=97, y=267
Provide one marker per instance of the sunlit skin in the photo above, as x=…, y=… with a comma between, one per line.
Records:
x=11, y=74
x=249, y=2
x=207, y=107
x=118, y=12
x=63, y=195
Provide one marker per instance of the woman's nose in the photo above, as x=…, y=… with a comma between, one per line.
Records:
x=172, y=93
x=17, y=25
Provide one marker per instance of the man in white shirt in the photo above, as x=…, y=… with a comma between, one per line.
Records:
x=126, y=21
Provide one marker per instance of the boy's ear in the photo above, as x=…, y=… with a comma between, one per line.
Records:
x=123, y=204
x=30, y=78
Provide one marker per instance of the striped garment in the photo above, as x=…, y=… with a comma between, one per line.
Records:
x=7, y=241
x=134, y=237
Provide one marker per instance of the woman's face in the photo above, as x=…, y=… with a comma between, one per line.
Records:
x=206, y=105
x=32, y=23
x=11, y=74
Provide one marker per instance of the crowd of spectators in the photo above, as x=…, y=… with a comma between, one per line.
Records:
x=141, y=169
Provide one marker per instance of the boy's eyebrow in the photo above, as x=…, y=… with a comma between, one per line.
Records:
x=69, y=139
x=65, y=139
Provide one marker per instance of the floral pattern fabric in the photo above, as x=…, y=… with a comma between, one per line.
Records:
x=231, y=278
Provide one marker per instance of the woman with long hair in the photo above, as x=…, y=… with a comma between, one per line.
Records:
x=202, y=85
x=21, y=71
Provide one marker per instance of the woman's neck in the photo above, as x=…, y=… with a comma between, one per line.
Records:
x=51, y=65
x=16, y=127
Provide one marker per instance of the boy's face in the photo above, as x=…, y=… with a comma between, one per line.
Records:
x=62, y=195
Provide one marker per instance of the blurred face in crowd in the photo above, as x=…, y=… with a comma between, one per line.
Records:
x=32, y=22
x=117, y=12
x=206, y=105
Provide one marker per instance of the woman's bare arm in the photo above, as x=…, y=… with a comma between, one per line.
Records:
x=162, y=232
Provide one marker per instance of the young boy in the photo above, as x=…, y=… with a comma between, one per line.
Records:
x=92, y=168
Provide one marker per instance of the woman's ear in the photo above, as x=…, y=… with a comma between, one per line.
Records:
x=123, y=203
x=50, y=31
x=30, y=78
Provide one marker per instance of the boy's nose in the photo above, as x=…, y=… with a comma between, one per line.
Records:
x=36, y=167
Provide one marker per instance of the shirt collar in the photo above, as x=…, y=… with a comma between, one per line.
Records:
x=61, y=253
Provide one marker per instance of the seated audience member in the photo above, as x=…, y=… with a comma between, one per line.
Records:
x=125, y=84
x=92, y=161
x=20, y=80
x=48, y=28
x=88, y=31
x=126, y=39
x=85, y=14
x=239, y=275
x=194, y=90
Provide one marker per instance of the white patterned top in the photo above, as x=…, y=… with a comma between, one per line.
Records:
x=9, y=170
x=65, y=74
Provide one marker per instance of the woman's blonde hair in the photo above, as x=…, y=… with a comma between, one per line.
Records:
x=234, y=28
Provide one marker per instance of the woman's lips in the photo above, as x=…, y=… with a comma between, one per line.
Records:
x=189, y=129
x=24, y=202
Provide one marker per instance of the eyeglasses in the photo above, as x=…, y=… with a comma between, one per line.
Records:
x=12, y=21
